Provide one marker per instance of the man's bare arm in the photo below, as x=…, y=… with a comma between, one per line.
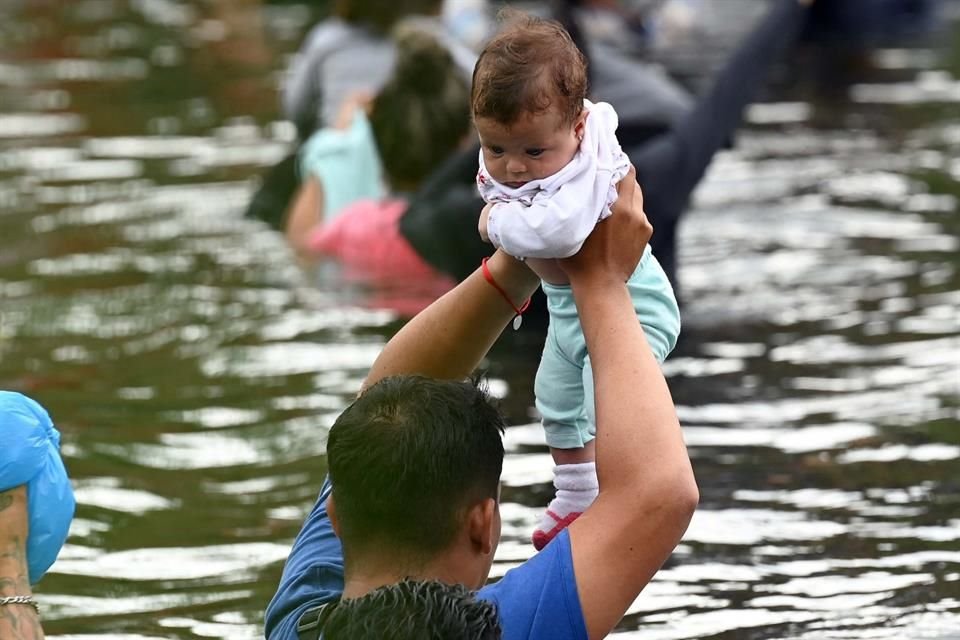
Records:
x=448, y=339
x=647, y=489
x=17, y=621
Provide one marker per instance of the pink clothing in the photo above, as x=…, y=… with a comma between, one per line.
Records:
x=366, y=240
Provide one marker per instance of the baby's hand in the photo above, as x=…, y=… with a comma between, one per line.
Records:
x=482, y=226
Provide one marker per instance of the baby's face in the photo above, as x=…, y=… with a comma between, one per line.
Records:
x=534, y=147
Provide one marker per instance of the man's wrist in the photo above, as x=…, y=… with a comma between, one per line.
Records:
x=13, y=574
x=592, y=281
x=513, y=276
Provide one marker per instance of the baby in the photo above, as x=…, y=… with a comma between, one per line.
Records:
x=549, y=165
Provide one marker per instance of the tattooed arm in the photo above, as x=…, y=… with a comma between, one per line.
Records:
x=17, y=621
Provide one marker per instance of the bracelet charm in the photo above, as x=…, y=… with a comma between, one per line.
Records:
x=518, y=319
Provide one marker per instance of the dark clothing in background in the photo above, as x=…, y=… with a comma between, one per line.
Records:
x=860, y=23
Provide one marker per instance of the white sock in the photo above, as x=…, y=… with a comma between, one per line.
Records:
x=577, y=488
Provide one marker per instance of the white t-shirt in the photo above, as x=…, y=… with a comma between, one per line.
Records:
x=551, y=217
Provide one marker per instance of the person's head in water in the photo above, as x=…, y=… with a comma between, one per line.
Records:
x=383, y=15
x=529, y=85
x=422, y=114
x=412, y=610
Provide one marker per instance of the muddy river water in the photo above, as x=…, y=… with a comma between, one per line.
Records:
x=193, y=367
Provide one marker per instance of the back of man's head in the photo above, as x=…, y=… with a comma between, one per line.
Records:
x=414, y=610
x=408, y=459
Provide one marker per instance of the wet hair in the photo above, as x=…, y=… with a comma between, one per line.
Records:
x=531, y=65
x=414, y=610
x=423, y=113
x=407, y=460
x=383, y=15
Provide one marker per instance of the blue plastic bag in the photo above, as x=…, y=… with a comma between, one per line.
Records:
x=30, y=455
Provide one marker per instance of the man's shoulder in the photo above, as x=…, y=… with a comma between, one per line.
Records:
x=287, y=627
x=312, y=575
x=539, y=598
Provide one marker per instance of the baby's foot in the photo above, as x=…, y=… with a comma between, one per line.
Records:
x=550, y=525
x=576, y=490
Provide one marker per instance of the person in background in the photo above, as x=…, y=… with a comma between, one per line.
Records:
x=415, y=462
x=36, y=508
x=841, y=36
x=351, y=53
x=344, y=60
x=19, y=612
x=391, y=143
x=869, y=23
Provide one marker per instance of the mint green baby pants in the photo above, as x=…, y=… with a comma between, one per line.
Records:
x=564, y=383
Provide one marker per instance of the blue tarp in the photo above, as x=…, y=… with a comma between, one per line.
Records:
x=30, y=455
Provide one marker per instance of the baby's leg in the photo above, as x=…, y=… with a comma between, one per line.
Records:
x=655, y=305
x=560, y=400
x=586, y=453
x=564, y=390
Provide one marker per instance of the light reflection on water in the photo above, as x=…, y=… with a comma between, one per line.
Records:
x=194, y=368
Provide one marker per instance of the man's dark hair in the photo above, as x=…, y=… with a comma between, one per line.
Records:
x=406, y=461
x=414, y=610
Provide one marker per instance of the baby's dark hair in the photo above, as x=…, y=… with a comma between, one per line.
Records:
x=423, y=113
x=531, y=65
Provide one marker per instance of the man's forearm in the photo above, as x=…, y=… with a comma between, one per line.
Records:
x=647, y=490
x=448, y=339
x=17, y=621
x=638, y=433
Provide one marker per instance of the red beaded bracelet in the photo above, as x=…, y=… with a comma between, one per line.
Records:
x=519, y=310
